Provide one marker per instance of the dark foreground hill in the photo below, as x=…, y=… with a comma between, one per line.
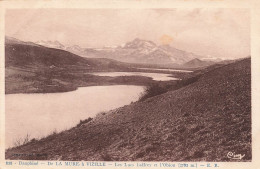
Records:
x=200, y=122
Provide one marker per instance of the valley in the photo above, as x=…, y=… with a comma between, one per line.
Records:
x=31, y=68
x=199, y=114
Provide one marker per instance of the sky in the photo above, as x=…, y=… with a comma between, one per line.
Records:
x=221, y=33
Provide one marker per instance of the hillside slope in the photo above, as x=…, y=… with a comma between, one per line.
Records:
x=200, y=122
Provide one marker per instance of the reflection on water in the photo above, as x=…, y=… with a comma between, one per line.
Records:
x=154, y=76
x=40, y=114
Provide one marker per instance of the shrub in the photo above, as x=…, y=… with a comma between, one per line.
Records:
x=163, y=87
x=22, y=141
x=81, y=122
x=153, y=90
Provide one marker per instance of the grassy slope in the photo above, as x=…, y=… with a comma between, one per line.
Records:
x=202, y=121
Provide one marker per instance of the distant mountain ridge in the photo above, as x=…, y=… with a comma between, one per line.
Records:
x=11, y=40
x=51, y=44
x=136, y=51
x=195, y=63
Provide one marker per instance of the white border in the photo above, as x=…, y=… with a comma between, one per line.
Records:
x=253, y=5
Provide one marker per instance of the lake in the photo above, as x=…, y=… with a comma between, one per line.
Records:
x=154, y=76
x=170, y=70
x=40, y=114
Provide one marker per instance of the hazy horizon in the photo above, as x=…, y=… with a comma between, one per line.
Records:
x=222, y=33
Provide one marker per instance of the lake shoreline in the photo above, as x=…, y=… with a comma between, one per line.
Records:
x=54, y=110
x=65, y=83
x=150, y=89
x=175, y=126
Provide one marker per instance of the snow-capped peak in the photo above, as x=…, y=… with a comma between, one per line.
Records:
x=138, y=43
x=51, y=44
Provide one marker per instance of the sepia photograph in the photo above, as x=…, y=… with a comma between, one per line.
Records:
x=147, y=84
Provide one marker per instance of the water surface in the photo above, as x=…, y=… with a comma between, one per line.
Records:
x=41, y=114
x=154, y=76
x=170, y=70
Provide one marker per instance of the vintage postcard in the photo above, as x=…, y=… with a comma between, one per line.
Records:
x=129, y=84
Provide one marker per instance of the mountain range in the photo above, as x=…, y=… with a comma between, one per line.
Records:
x=136, y=51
